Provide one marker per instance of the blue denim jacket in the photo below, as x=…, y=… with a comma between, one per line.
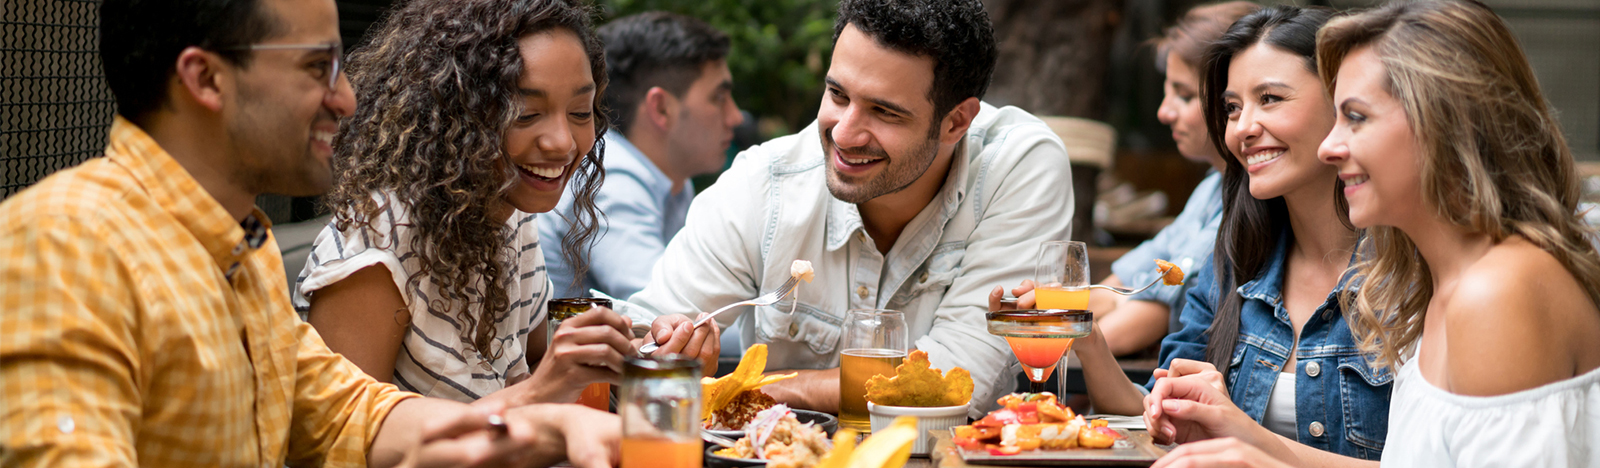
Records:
x=1341, y=404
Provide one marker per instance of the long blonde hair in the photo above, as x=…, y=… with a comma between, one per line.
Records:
x=1494, y=161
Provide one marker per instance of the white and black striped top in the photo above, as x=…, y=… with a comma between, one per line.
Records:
x=433, y=359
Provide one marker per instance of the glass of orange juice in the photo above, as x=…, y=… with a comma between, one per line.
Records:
x=874, y=344
x=1061, y=275
x=597, y=395
x=660, y=409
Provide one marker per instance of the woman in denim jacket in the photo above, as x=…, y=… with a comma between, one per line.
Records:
x=1268, y=312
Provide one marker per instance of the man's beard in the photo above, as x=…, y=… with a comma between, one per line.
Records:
x=268, y=160
x=898, y=172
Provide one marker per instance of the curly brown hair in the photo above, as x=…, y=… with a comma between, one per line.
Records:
x=437, y=90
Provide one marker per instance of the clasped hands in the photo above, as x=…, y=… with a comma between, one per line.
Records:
x=1190, y=405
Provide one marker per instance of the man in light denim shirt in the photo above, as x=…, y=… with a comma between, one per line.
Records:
x=671, y=103
x=907, y=193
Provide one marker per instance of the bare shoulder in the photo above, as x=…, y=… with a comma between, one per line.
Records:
x=1517, y=320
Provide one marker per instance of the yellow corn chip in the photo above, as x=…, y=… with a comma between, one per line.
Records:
x=718, y=393
x=916, y=383
x=889, y=448
x=844, y=445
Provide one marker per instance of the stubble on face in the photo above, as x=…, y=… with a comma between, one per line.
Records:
x=899, y=171
x=265, y=134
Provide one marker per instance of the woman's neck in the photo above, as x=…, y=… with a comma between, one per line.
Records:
x=1447, y=249
x=1318, y=231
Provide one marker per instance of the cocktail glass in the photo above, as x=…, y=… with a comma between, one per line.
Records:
x=1040, y=337
x=1061, y=276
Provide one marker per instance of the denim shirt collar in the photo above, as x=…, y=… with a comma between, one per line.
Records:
x=618, y=146
x=1268, y=286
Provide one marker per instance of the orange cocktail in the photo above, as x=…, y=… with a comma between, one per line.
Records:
x=661, y=453
x=597, y=395
x=1040, y=337
x=1057, y=297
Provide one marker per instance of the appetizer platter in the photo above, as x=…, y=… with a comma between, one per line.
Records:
x=1033, y=429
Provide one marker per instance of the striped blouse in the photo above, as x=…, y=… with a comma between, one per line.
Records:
x=433, y=359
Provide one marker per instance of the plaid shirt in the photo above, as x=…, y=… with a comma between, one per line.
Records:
x=140, y=324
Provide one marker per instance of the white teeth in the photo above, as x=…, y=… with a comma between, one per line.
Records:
x=325, y=137
x=548, y=173
x=858, y=161
x=1259, y=158
x=1357, y=180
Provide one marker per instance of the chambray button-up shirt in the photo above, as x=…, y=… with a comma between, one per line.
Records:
x=1009, y=188
x=641, y=215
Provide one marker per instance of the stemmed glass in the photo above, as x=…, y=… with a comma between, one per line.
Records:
x=1040, y=338
x=874, y=344
x=1061, y=275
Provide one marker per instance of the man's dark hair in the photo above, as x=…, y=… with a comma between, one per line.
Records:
x=140, y=41
x=654, y=49
x=956, y=34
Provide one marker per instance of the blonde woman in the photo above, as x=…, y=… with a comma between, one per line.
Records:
x=1480, y=283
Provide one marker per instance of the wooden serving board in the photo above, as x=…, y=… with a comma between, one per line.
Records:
x=1140, y=452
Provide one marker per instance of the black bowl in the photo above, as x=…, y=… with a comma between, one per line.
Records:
x=829, y=423
x=717, y=461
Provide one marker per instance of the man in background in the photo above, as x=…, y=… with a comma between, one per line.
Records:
x=670, y=99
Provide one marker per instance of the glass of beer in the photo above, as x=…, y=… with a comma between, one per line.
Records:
x=874, y=344
x=597, y=395
x=660, y=409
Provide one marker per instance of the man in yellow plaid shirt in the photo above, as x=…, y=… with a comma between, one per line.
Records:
x=144, y=319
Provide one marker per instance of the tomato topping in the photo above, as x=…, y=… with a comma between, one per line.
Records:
x=998, y=450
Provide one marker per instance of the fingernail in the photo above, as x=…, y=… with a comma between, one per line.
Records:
x=1171, y=406
x=1169, y=432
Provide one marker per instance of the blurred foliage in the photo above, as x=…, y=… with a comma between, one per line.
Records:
x=779, y=55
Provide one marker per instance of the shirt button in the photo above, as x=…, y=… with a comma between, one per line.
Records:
x=66, y=424
x=794, y=330
x=1317, y=430
x=1313, y=369
x=861, y=291
x=923, y=278
x=1187, y=262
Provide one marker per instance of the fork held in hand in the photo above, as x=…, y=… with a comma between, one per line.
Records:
x=765, y=299
x=1130, y=292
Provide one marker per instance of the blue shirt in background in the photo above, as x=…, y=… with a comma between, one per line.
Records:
x=1341, y=403
x=641, y=215
x=1187, y=243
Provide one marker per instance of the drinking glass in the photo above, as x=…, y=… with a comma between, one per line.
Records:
x=874, y=344
x=1061, y=275
x=660, y=409
x=1040, y=339
x=597, y=395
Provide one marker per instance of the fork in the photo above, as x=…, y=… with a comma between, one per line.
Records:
x=1130, y=292
x=720, y=440
x=765, y=299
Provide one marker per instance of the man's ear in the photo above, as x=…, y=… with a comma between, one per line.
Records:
x=660, y=108
x=200, y=78
x=955, y=124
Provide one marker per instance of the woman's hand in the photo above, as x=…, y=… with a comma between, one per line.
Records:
x=588, y=348
x=1228, y=452
x=1189, y=408
x=1183, y=367
x=1023, y=293
x=674, y=334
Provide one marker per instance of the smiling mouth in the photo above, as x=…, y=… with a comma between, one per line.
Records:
x=550, y=173
x=1264, y=156
x=323, y=137
x=1357, y=180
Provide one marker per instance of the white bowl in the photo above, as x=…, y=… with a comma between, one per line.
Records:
x=938, y=418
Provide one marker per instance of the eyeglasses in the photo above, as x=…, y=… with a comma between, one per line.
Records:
x=333, y=49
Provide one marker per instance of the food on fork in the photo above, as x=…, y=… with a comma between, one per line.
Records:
x=917, y=384
x=1033, y=421
x=801, y=269
x=1171, y=275
x=733, y=400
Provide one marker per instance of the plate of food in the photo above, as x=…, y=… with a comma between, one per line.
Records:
x=1033, y=429
x=776, y=439
x=734, y=400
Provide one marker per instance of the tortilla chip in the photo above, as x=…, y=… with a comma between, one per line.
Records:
x=844, y=445
x=718, y=393
x=917, y=384
x=890, y=447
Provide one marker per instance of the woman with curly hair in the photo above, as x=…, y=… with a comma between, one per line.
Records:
x=473, y=116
